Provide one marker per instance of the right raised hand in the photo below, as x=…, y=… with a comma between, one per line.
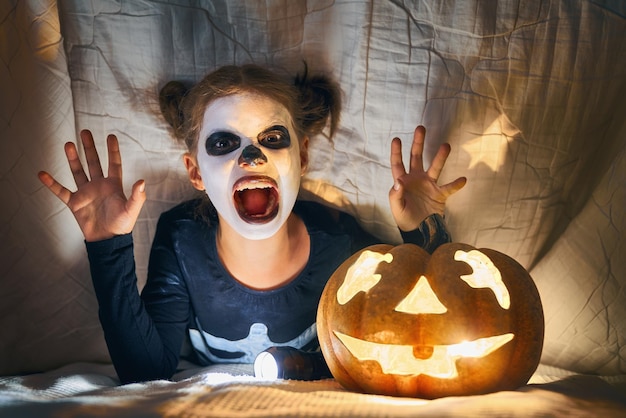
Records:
x=99, y=205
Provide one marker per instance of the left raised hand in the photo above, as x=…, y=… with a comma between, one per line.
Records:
x=415, y=194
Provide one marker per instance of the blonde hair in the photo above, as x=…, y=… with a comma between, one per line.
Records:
x=312, y=101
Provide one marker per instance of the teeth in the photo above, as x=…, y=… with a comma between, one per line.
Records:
x=254, y=184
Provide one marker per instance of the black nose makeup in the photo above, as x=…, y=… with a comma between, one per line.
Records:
x=252, y=156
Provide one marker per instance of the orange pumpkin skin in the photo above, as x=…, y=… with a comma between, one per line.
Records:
x=471, y=313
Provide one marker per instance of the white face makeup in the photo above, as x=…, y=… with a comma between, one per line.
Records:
x=249, y=159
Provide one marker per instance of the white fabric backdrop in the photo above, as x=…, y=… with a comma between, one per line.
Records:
x=531, y=95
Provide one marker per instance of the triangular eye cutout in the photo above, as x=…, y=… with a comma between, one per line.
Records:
x=421, y=300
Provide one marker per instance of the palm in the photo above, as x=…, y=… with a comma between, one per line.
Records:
x=416, y=194
x=99, y=205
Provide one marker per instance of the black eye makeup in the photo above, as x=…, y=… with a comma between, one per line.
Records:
x=275, y=137
x=222, y=143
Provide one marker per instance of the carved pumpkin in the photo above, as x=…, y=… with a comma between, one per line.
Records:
x=398, y=321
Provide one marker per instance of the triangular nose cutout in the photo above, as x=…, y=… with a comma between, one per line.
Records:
x=421, y=300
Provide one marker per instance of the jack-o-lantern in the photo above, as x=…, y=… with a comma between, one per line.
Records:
x=398, y=321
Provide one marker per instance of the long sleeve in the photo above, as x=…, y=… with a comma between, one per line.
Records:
x=431, y=233
x=143, y=345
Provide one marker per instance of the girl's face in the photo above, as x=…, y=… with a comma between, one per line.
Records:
x=249, y=163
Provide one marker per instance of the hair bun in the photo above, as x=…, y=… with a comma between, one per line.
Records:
x=171, y=103
x=320, y=100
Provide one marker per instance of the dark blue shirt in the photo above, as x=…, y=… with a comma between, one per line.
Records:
x=190, y=295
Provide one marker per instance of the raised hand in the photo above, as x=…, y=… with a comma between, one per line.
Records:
x=99, y=205
x=415, y=194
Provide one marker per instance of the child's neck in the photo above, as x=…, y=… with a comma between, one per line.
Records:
x=268, y=263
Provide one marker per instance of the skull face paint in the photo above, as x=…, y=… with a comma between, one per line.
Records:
x=249, y=160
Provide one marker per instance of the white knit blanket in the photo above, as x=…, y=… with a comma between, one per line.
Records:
x=92, y=390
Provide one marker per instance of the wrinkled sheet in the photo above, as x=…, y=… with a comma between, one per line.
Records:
x=531, y=95
x=90, y=390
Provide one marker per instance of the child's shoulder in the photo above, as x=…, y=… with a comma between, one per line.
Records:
x=333, y=222
x=196, y=210
x=319, y=216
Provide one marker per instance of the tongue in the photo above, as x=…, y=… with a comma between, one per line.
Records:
x=255, y=201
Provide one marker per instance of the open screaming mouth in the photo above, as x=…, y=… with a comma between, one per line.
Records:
x=256, y=199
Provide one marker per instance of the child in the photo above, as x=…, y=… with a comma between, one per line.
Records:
x=242, y=268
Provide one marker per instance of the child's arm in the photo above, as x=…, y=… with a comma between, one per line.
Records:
x=143, y=344
x=139, y=347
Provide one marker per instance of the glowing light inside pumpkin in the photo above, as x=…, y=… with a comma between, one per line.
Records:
x=361, y=276
x=480, y=347
x=399, y=359
x=421, y=300
x=485, y=275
